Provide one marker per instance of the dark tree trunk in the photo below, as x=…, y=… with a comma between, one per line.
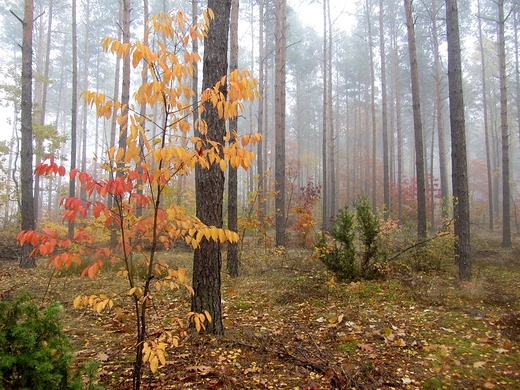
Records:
x=27, y=202
x=373, y=124
x=279, y=86
x=209, y=183
x=458, y=144
x=83, y=191
x=486, y=121
x=440, y=120
x=325, y=120
x=232, y=249
x=331, y=131
x=74, y=111
x=262, y=182
x=419, y=149
x=384, y=114
x=125, y=87
x=504, y=131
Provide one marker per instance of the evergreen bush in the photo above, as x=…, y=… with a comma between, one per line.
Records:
x=35, y=354
x=355, y=249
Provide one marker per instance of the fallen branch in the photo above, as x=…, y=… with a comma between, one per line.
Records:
x=420, y=243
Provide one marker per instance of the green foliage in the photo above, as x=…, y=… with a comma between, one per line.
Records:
x=351, y=231
x=368, y=226
x=340, y=257
x=432, y=384
x=34, y=352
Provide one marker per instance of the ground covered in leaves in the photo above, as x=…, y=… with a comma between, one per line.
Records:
x=290, y=325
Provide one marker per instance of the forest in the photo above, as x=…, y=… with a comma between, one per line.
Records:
x=261, y=194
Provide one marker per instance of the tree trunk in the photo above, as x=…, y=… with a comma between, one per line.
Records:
x=458, y=144
x=331, y=134
x=142, y=110
x=325, y=120
x=486, y=121
x=440, y=120
x=74, y=111
x=41, y=96
x=384, y=114
x=398, y=126
x=419, y=149
x=262, y=181
x=209, y=183
x=83, y=190
x=232, y=249
x=27, y=202
x=279, y=86
x=504, y=131
x=368, y=5
x=125, y=86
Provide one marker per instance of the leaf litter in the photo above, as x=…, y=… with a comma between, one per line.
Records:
x=290, y=328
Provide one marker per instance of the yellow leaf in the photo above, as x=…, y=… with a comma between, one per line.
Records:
x=214, y=233
x=160, y=355
x=223, y=165
x=221, y=235
x=77, y=301
x=154, y=364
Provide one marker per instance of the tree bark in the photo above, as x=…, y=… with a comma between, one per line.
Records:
x=209, y=183
x=83, y=191
x=27, y=202
x=279, y=86
x=440, y=120
x=125, y=86
x=74, y=111
x=368, y=6
x=384, y=114
x=486, y=121
x=325, y=120
x=504, y=130
x=262, y=181
x=458, y=144
x=331, y=129
x=419, y=149
x=232, y=249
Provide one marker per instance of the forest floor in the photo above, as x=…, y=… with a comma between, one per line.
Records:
x=289, y=325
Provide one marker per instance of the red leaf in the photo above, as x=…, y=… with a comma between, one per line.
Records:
x=73, y=173
x=83, y=177
x=34, y=239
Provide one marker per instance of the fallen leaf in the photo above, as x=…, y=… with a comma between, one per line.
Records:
x=366, y=347
x=102, y=357
x=232, y=292
x=203, y=370
x=479, y=364
x=400, y=343
x=489, y=385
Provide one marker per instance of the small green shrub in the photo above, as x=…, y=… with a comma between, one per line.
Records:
x=368, y=227
x=355, y=249
x=340, y=256
x=35, y=354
